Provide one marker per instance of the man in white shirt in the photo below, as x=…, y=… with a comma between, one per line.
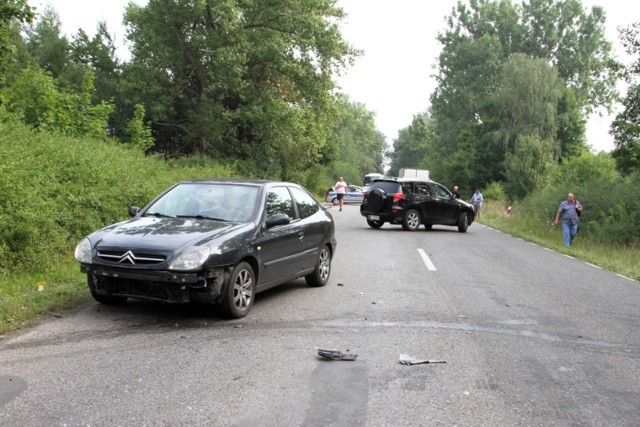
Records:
x=341, y=190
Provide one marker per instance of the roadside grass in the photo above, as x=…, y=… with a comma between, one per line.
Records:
x=621, y=259
x=27, y=298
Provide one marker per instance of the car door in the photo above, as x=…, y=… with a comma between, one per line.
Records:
x=312, y=226
x=281, y=249
x=425, y=202
x=354, y=195
x=446, y=208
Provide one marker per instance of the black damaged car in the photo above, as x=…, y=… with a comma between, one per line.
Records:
x=217, y=241
x=411, y=202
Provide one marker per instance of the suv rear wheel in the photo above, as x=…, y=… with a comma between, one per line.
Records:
x=411, y=221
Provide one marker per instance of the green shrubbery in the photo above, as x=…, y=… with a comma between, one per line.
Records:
x=54, y=189
x=611, y=204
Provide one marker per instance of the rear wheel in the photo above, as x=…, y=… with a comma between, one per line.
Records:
x=411, y=220
x=320, y=275
x=335, y=201
x=375, y=224
x=463, y=223
x=240, y=292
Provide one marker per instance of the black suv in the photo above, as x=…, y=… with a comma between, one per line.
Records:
x=411, y=202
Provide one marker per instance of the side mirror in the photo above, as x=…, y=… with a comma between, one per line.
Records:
x=277, y=219
x=133, y=211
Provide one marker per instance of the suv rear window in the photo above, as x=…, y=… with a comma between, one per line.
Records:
x=387, y=186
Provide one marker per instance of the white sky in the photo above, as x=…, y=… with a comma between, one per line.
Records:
x=393, y=77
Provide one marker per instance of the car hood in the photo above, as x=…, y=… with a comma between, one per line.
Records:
x=165, y=234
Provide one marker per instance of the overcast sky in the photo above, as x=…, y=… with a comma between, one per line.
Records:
x=393, y=77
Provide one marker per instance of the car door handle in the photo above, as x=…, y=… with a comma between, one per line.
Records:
x=301, y=235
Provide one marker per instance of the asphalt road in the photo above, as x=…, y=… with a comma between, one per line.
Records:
x=530, y=337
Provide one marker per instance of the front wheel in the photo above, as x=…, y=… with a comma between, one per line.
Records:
x=101, y=282
x=240, y=292
x=320, y=275
x=463, y=223
x=411, y=220
x=375, y=224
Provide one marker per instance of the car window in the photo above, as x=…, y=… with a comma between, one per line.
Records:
x=407, y=187
x=212, y=200
x=441, y=192
x=355, y=190
x=307, y=206
x=423, y=189
x=279, y=201
x=387, y=186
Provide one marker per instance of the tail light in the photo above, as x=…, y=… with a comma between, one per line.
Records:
x=397, y=197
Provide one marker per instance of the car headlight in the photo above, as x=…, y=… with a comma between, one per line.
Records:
x=83, y=251
x=191, y=260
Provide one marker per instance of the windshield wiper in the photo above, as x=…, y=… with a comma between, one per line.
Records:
x=201, y=217
x=158, y=215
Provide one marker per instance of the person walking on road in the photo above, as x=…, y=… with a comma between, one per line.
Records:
x=570, y=211
x=341, y=190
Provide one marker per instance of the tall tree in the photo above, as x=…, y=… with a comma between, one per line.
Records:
x=10, y=12
x=244, y=79
x=468, y=105
x=626, y=126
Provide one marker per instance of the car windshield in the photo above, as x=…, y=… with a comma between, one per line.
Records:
x=215, y=201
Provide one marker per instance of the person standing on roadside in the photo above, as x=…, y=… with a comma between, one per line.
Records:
x=570, y=211
x=455, y=192
x=341, y=190
x=477, y=200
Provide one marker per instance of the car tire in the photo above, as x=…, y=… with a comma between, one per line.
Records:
x=375, y=224
x=463, y=223
x=411, y=220
x=320, y=275
x=240, y=292
x=428, y=227
x=376, y=200
x=335, y=201
x=101, y=298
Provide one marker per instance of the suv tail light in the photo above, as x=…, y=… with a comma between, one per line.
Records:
x=397, y=196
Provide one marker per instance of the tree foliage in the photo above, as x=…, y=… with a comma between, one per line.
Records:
x=626, y=126
x=11, y=11
x=516, y=79
x=238, y=79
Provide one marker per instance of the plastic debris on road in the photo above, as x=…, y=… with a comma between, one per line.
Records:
x=335, y=354
x=408, y=360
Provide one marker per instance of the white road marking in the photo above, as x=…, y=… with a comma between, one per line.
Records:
x=426, y=260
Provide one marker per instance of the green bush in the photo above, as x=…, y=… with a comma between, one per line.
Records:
x=56, y=189
x=611, y=210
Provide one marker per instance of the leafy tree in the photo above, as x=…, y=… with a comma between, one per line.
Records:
x=10, y=12
x=626, y=126
x=37, y=100
x=552, y=54
x=238, y=79
x=48, y=47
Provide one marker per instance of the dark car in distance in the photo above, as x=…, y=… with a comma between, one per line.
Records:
x=411, y=202
x=217, y=241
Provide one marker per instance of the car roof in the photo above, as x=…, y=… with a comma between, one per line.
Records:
x=401, y=180
x=246, y=181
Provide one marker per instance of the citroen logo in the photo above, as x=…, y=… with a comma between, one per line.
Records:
x=128, y=257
